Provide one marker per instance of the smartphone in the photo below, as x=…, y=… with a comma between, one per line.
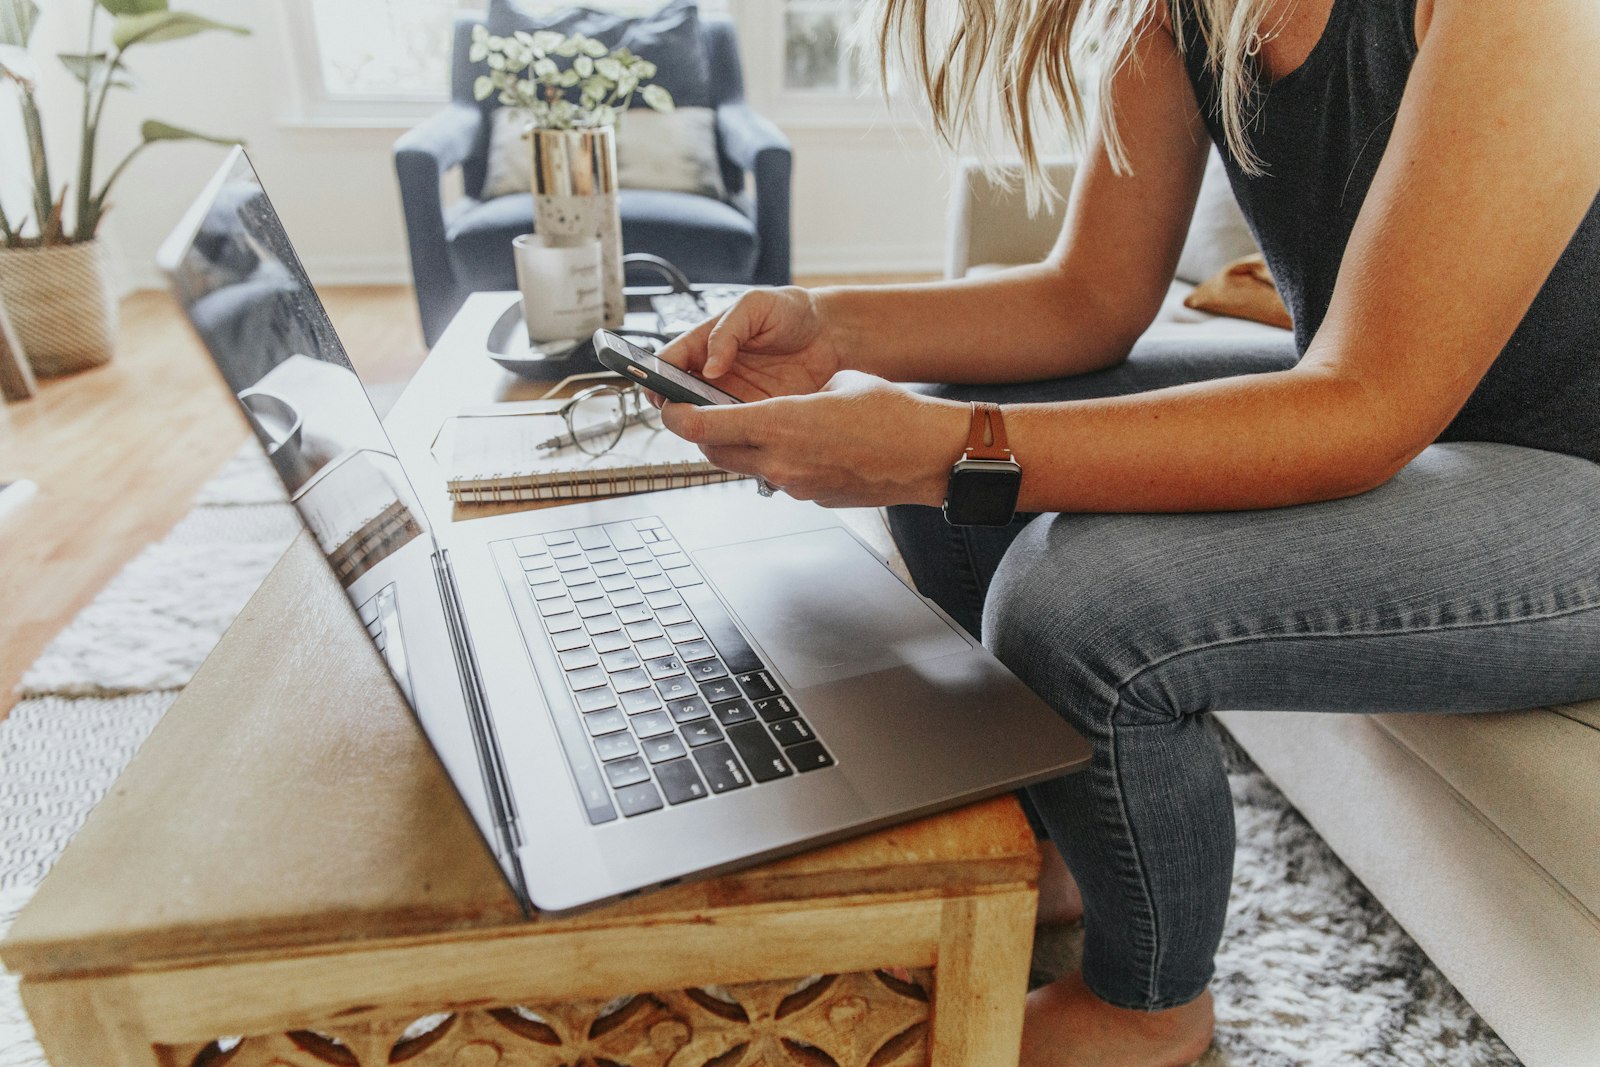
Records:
x=629, y=360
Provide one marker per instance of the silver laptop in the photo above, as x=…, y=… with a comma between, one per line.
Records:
x=625, y=693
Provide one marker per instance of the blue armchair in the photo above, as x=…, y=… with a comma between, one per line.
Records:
x=466, y=247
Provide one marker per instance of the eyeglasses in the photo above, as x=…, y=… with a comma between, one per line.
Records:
x=597, y=417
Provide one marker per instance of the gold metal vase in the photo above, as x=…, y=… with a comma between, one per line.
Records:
x=575, y=199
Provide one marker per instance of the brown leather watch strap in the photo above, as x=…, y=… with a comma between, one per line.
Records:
x=987, y=422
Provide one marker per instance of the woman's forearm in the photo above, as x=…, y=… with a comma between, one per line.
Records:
x=1258, y=441
x=1022, y=324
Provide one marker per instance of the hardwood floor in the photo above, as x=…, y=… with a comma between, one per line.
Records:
x=119, y=452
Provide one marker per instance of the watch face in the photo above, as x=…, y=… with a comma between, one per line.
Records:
x=982, y=493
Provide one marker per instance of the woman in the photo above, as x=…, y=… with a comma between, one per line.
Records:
x=1397, y=514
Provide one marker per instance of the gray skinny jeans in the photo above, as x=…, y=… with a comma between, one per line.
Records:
x=1469, y=582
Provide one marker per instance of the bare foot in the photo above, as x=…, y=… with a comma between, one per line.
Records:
x=1059, y=900
x=1068, y=1026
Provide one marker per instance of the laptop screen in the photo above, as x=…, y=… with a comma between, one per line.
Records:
x=244, y=290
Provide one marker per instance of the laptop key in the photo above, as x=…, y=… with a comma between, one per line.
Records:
x=600, y=555
x=566, y=564
x=625, y=772
x=640, y=700
x=721, y=768
x=624, y=536
x=765, y=761
x=645, y=570
x=602, y=624
x=596, y=699
x=579, y=657
x=667, y=667
x=567, y=551
x=651, y=724
x=580, y=576
x=567, y=620
x=719, y=627
x=671, y=561
x=685, y=631
x=689, y=709
x=708, y=669
x=554, y=607
x=616, y=746
x=658, y=583
x=629, y=680
x=704, y=732
x=635, y=555
x=605, y=722
x=638, y=799
x=562, y=538
x=591, y=537
x=616, y=583
x=775, y=708
x=644, y=631
x=548, y=590
x=592, y=609
x=677, y=688
x=810, y=756
x=586, y=678
x=632, y=612
x=663, y=600
x=758, y=685
x=722, y=689
x=680, y=781
x=610, y=641
x=789, y=732
x=684, y=577
x=610, y=567
x=654, y=648
x=664, y=748
x=690, y=651
x=570, y=639
x=529, y=546
x=624, y=659
x=733, y=711
x=674, y=614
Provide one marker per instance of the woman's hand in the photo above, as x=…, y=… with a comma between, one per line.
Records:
x=858, y=442
x=772, y=342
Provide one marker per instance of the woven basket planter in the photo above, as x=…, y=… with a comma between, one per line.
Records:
x=60, y=303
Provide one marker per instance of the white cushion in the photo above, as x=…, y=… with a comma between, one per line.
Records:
x=673, y=150
x=1218, y=235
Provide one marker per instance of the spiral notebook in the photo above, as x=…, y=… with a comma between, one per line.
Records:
x=495, y=459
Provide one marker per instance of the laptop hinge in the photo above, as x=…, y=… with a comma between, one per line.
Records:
x=496, y=782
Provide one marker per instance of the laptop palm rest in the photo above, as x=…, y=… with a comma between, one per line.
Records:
x=824, y=608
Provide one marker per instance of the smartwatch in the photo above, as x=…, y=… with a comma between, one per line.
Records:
x=984, y=482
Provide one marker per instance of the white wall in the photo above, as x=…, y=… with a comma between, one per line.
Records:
x=865, y=200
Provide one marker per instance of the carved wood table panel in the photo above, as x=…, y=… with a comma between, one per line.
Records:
x=283, y=876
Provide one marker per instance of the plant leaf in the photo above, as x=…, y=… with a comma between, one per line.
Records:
x=91, y=70
x=17, y=18
x=165, y=26
x=658, y=98
x=133, y=7
x=152, y=130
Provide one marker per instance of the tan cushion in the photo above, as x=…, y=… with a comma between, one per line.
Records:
x=1531, y=774
x=1244, y=290
x=1588, y=712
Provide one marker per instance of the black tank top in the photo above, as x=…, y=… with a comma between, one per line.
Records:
x=1321, y=132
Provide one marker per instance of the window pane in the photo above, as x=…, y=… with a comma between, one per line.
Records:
x=385, y=47
x=812, y=56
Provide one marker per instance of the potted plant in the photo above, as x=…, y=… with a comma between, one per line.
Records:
x=53, y=276
x=571, y=91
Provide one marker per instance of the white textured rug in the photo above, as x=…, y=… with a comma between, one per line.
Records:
x=1312, y=969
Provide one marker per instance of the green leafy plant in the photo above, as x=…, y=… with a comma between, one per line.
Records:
x=525, y=70
x=134, y=23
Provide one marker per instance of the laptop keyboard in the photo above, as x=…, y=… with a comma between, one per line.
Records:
x=669, y=703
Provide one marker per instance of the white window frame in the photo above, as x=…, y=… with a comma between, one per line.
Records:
x=759, y=23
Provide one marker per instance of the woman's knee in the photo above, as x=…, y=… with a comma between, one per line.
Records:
x=1079, y=607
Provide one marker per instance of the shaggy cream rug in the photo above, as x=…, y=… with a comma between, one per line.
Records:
x=1312, y=969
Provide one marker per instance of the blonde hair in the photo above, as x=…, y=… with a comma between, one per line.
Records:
x=1019, y=65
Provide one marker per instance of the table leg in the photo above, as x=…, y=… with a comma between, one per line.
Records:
x=981, y=978
x=79, y=1024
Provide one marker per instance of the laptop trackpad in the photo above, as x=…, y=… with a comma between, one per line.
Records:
x=825, y=608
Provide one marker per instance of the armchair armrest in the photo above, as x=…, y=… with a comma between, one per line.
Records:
x=752, y=143
x=990, y=223
x=421, y=157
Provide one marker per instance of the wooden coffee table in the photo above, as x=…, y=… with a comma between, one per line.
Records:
x=285, y=867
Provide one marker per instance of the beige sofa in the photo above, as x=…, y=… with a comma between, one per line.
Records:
x=1480, y=834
